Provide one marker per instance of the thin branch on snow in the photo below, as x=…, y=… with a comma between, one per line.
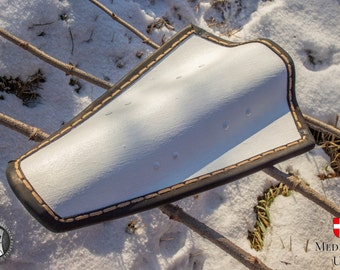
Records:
x=33, y=133
x=114, y=16
x=177, y=214
x=67, y=68
x=319, y=125
x=294, y=183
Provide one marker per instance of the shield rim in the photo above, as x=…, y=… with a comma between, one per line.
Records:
x=47, y=217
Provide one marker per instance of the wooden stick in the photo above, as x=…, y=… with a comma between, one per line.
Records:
x=296, y=184
x=33, y=133
x=317, y=124
x=177, y=214
x=67, y=68
x=114, y=16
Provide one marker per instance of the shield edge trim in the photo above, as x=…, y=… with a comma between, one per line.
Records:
x=47, y=217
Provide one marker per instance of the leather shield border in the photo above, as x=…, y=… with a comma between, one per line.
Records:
x=47, y=217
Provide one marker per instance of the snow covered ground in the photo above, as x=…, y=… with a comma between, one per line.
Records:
x=307, y=29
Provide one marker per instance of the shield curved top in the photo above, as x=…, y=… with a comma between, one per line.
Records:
x=199, y=112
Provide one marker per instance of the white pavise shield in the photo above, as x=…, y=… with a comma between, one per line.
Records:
x=199, y=112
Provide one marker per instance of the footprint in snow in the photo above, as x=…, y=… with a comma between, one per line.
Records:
x=319, y=57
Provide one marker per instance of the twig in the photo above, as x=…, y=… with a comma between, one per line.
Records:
x=67, y=68
x=321, y=125
x=33, y=133
x=177, y=214
x=295, y=183
x=306, y=246
x=72, y=42
x=114, y=16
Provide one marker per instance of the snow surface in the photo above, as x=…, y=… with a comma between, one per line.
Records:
x=307, y=29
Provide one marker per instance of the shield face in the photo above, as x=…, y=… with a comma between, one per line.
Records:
x=198, y=113
x=336, y=227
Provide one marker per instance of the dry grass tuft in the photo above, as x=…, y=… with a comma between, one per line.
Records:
x=25, y=90
x=331, y=145
x=263, y=216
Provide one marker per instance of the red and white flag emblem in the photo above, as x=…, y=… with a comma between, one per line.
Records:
x=336, y=227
